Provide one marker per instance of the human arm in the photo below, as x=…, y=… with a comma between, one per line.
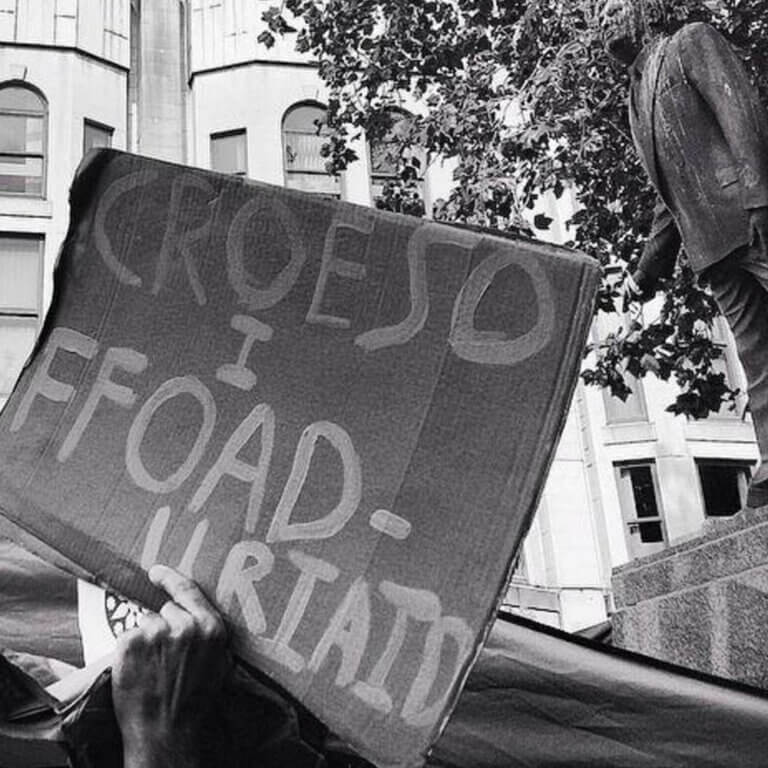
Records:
x=167, y=676
x=658, y=258
x=717, y=73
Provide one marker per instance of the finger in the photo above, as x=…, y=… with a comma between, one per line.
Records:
x=182, y=590
x=181, y=622
x=137, y=645
x=185, y=592
x=152, y=627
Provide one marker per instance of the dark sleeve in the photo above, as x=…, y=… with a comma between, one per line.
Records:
x=718, y=74
x=660, y=252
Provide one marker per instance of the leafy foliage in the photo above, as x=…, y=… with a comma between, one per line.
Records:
x=521, y=97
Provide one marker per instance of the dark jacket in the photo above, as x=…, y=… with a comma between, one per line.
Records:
x=702, y=136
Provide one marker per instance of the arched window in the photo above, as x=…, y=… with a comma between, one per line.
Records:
x=23, y=134
x=304, y=133
x=397, y=177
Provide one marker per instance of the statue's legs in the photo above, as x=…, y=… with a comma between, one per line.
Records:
x=739, y=284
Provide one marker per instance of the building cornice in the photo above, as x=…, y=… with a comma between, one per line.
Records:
x=251, y=62
x=81, y=52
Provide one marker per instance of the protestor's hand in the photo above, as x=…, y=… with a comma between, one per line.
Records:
x=758, y=226
x=167, y=676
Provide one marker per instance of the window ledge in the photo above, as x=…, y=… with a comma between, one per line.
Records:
x=32, y=207
x=630, y=432
x=721, y=430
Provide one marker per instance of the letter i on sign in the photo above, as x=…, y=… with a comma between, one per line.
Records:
x=237, y=374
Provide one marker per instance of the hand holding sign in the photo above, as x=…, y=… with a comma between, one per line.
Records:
x=167, y=675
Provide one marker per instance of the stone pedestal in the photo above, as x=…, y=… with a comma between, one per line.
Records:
x=702, y=603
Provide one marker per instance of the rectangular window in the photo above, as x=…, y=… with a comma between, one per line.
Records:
x=640, y=507
x=22, y=134
x=304, y=152
x=96, y=135
x=21, y=267
x=632, y=409
x=229, y=152
x=408, y=196
x=723, y=486
x=389, y=159
x=21, y=175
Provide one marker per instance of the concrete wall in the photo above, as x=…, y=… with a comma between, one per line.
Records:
x=703, y=603
x=160, y=74
x=225, y=33
x=97, y=28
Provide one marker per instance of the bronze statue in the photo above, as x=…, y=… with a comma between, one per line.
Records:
x=702, y=136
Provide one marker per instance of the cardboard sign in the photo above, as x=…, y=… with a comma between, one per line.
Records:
x=336, y=420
